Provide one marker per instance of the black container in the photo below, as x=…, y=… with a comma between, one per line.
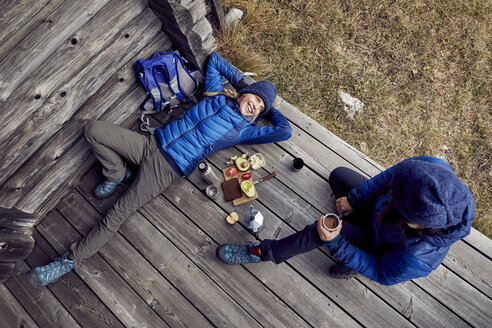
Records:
x=297, y=164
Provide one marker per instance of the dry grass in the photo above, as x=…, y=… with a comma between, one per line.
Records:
x=423, y=69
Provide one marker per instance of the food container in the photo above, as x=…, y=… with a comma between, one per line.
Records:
x=257, y=160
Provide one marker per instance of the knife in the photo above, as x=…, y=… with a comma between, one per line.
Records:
x=272, y=175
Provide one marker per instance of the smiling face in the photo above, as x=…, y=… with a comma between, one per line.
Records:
x=251, y=105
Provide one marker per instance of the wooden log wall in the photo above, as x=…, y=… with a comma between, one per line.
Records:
x=16, y=241
x=186, y=23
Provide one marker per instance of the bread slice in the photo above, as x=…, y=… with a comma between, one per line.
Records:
x=231, y=189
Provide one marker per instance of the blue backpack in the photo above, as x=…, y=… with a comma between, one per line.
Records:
x=168, y=83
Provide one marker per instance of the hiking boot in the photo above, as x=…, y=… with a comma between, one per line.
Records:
x=341, y=271
x=107, y=188
x=43, y=275
x=237, y=254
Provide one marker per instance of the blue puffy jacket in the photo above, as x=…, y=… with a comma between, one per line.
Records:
x=215, y=123
x=403, y=258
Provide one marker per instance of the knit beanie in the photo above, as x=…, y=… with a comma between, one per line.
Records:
x=429, y=193
x=265, y=90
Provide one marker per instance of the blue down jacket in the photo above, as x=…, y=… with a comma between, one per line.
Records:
x=403, y=257
x=215, y=123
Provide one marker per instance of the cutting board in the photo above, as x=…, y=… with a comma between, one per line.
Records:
x=243, y=199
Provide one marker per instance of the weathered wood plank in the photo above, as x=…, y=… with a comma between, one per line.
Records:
x=58, y=26
x=104, y=281
x=60, y=107
x=66, y=61
x=282, y=201
x=190, y=239
x=471, y=266
x=459, y=296
x=480, y=242
x=158, y=292
x=65, y=156
x=6, y=269
x=41, y=304
x=181, y=272
x=72, y=292
x=30, y=17
x=13, y=314
x=15, y=14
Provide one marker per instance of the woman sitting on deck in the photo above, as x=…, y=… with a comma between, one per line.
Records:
x=397, y=226
x=221, y=120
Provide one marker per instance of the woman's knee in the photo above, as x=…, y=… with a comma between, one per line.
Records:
x=336, y=174
x=92, y=129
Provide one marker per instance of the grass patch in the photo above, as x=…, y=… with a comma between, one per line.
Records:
x=423, y=69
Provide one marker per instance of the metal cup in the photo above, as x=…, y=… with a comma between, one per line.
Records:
x=331, y=222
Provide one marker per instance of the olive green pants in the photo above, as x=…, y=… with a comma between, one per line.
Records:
x=111, y=144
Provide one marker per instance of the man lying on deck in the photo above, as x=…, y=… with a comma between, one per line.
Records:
x=222, y=119
x=397, y=226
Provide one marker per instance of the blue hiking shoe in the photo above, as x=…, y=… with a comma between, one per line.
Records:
x=52, y=272
x=237, y=254
x=107, y=188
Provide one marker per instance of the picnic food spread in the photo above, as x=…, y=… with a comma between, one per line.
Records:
x=239, y=185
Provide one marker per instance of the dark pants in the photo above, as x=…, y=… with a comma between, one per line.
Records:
x=356, y=227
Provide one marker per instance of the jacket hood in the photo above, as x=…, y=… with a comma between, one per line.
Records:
x=430, y=194
x=445, y=237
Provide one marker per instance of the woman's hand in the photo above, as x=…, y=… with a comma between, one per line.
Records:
x=343, y=206
x=325, y=234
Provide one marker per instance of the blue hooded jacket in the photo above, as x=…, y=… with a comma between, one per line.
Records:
x=404, y=257
x=215, y=123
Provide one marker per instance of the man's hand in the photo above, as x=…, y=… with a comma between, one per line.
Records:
x=325, y=234
x=343, y=206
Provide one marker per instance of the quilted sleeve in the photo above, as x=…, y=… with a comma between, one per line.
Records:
x=281, y=130
x=218, y=67
x=392, y=267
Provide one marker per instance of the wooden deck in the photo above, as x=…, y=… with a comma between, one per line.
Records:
x=62, y=64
